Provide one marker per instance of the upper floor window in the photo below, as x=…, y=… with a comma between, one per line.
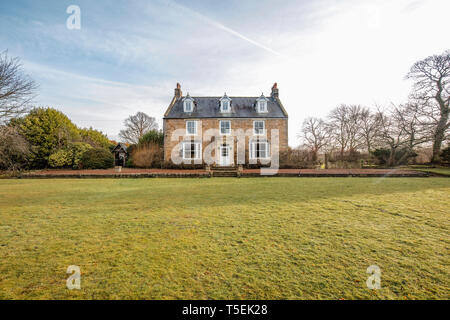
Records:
x=188, y=104
x=225, y=127
x=261, y=104
x=259, y=127
x=225, y=104
x=191, y=128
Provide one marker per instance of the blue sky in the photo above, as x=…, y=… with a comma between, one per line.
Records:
x=128, y=55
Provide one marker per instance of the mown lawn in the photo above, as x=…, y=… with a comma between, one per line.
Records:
x=249, y=238
x=445, y=171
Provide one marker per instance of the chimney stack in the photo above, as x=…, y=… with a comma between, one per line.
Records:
x=178, y=93
x=275, y=91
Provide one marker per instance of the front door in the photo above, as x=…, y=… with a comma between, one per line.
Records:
x=225, y=155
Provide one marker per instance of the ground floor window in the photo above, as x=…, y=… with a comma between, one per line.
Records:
x=192, y=150
x=259, y=150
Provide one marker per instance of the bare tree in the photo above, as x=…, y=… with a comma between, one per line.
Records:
x=338, y=128
x=17, y=90
x=410, y=120
x=402, y=129
x=136, y=126
x=370, y=128
x=391, y=134
x=345, y=127
x=314, y=135
x=14, y=148
x=432, y=89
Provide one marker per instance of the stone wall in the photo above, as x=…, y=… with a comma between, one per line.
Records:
x=170, y=125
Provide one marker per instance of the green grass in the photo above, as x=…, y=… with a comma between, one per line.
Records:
x=250, y=238
x=444, y=171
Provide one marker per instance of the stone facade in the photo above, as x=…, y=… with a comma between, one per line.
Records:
x=241, y=117
x=205, y=126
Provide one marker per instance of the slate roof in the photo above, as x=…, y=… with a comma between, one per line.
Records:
x=120, y=145
x=241, y=107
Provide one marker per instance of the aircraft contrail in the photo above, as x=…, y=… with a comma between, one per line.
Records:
x=223, y=27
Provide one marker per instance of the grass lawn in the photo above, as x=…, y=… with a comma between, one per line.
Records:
x=445, y=171
x=249, y=238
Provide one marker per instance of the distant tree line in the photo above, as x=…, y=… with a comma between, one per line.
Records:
x=391, y=134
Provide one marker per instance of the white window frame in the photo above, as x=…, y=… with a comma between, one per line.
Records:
x=220, y=127
x=254, y=128
x=222, y=100
x=197, y=151
x=262, y=106
x=252, y=149
x=187, y=128
x=185, y=105
x=222, y=109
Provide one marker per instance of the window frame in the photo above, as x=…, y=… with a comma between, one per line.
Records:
x=220, y=127
x=222, y=109
x=185, y=105
x=264, y=128
x=228, y=100
x=197, y=148
x=253, y=151
x=196, y=128
x=261, y=104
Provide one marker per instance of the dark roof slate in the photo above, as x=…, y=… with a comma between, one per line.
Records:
x=119, y=146
x=241, y=107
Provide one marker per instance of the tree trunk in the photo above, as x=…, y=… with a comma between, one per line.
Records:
x=439, y=137
x=391, y=160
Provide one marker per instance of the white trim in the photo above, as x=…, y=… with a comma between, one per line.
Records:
x=264, y=105
x=197, y=152
x=196, y=128
x=252, y=150
x=230, y=157
x=185, y=106
x=220, y=128
x=263, y=100
x=225, y=97
x=188, y=99
x=264, y=128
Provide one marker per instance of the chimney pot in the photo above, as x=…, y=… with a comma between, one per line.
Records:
x=275, y=90
x=178, y=92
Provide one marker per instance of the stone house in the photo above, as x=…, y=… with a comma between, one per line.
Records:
x=224, y=131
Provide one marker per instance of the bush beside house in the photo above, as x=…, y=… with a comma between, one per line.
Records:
x=97, y=158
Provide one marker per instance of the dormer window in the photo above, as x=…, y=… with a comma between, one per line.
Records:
x=225, y=104
x=261, y=104
x=188, y=104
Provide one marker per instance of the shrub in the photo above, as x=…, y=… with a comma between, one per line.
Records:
x=97, y=158
x=294, y=159
x=147, y=156
x=68, y=157
x=445, y=155
x=152, y=137
x=14, y=149
x=171, y=165
x=95, y=138
x=47, y=130
x=399, y=156
x=60, y=159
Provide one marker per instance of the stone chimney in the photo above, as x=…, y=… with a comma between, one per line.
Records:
x=274, y=90
x=178, y=93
